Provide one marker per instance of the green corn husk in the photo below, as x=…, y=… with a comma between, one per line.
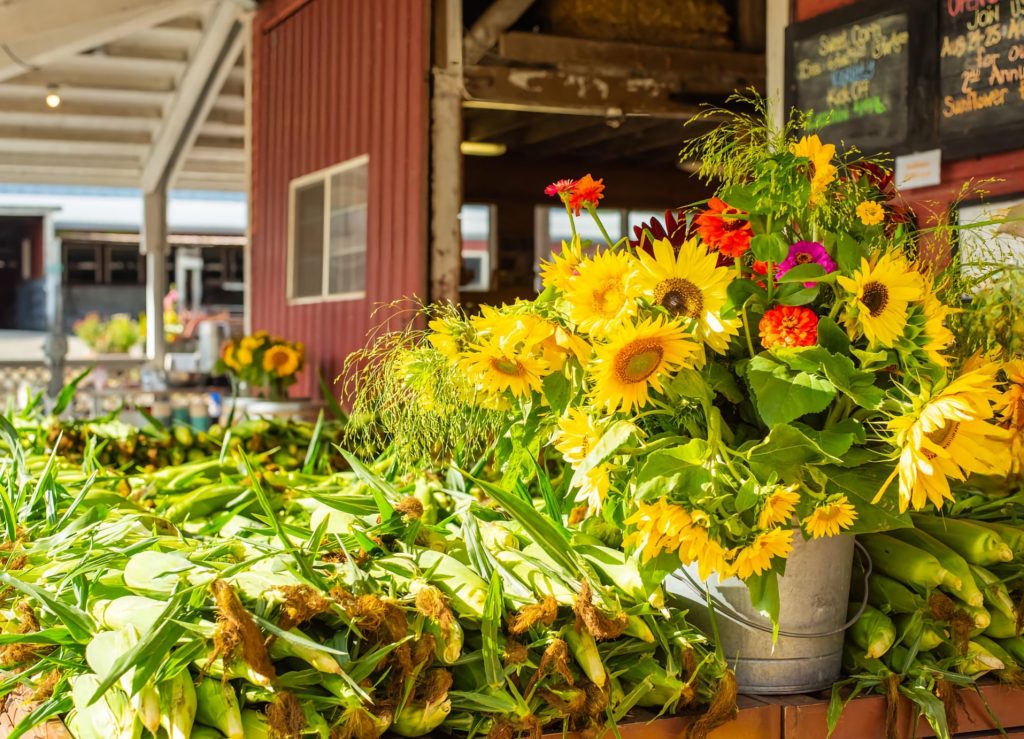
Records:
x=318, y=659
x=977, y=661
x=205, y=732
x=420, y=720
x=910, y=627
x=873, y=632
x=972, y=541
x=638, y=629
x=906, y=563
x=584, y=650
x=963, y=585
x=855, y=663
x=1012, y=535
x=1001, y=626
x=254, y=725
x=177, y=705
x=217, y=706
x=111, y=717
x=466, y=590
x=103, y=650
x=237, y=669
x=1011, y=671
x=997, y=598
x=982, y=618
x=665, y=690
x=622, y=573
x=891, y=596
x=157, y=573
x=542, y=583
x=137, y=611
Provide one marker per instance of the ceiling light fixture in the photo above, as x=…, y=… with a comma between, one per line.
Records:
x=52, y=96
x=482, y=149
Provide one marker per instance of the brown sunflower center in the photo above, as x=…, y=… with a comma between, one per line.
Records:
x=505, y=366
x=679, y=297
x=638, y=360
x=942, y=437
x=278, y=358
x=875, y=298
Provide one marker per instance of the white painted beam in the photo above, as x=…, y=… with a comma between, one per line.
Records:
x=194, y=87
x=154, y=246
x=777, y=19
x=44, y=31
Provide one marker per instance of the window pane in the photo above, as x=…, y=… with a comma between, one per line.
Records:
x=348, y=231
x=308, y=235
x=82, y=265
x=124, y=265
x=560, y=230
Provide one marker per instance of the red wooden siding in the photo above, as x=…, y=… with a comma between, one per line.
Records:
x=334, y=79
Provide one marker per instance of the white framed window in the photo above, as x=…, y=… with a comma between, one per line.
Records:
x=327, y=227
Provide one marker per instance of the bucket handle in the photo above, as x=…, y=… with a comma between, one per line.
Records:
x=735, y=616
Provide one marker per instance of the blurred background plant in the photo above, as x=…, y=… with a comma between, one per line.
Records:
x=114, y=336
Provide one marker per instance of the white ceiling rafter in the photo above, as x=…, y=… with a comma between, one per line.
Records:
x=160, y=97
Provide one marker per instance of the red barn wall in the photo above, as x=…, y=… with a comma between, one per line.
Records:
x=331, y=80
x=1007, y=167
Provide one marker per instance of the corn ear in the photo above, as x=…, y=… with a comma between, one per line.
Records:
x=254, y=725
x=316, y=658
x=904, y=562
x=873, y=632
x=536, y=579
x=982, y=618
x=103, y=650
x=961, y=582
x=891, y=596
x=1010, y=666
x=420, y=720
x=205, y=732
x=908, y=629
x=665, y=690
x=156, y=573
x=177, y=705
x=584, y=650
x=1001, y=627
x=997, y=597
x=975, y=543
x=217, y=706
x=1012, y=535
x=111, y=717
x=130, y=610
x=638, y=629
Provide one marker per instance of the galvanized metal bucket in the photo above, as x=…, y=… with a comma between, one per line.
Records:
x=814, y=594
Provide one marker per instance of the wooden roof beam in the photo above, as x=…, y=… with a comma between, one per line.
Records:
x=202, y=79
x=44, y=31
x=696, y=72
x=552, y=91
x=498, y=18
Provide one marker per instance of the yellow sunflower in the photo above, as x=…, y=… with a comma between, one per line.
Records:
x=714, y=559
x=946, y=434
x=595, y=486
x=632, y=364
x=822, y=172
x=830, y=517
x=881, y=293
x=656, y=528
x=559, y=272
x=758, y=555
x=576, y=435
x=689, y=285
x=282, y=360
x=447, y=336
x=936, y=336
x=778, y=507
x=1012, y=402
x=498, y=363
x=229, y=356
x=602, y=294
x=255, y=341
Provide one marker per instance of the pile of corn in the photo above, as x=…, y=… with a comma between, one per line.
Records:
x=228, y=598
x=945, y=602
x=114, y=443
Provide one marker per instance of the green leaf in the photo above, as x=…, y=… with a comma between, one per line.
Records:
x=490, y=646
x=764, y=597
x=78, y=623
x=332, y=402
x=855, y=383
x=806, y=273
x=382, y=492
x=557, y=392
x=832, y=337
x=797, y=294
x=314, y=445
x=783, y=395
x=786, y=451
x=848, y=253
x=679, y=469
x=746, y=496
x=931, y=707
x=740, y=291
x=68, y=392
x=614, y=437
x=770, y=247
x=860, y=484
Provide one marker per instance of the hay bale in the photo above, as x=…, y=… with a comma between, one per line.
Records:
x=684, y=23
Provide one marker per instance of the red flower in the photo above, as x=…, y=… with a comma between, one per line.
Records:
x=724, y=228
x=671, y=227
x=787, y=325
x=559, y=187
x=759, y=267
x=586, y=191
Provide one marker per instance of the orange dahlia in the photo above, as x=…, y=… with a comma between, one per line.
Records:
x=725, y=228
x=586, y=191
x=788, y=325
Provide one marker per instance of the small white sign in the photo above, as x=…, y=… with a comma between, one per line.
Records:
x=920, y=169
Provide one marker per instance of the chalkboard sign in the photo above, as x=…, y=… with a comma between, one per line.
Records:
x=858, y=69
x=981, y=71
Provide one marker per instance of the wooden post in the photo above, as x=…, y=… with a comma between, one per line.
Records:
x=154, y=245
x=775, y=58
x=445, y=155
x=55, y=347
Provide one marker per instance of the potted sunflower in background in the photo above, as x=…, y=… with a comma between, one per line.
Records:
x=732, y=393
x=261, y=369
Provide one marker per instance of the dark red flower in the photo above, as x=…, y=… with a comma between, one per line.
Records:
x=559, y=187
x=673, y=228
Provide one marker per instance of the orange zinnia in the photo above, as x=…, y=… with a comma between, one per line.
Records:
x=586, y=191
x=724, y=228
x=787, y=325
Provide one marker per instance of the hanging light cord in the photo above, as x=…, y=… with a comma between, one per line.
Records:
x=18, y=60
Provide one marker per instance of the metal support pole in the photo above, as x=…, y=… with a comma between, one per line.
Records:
x=154, y=244
x=56, y=345
x=775, y=58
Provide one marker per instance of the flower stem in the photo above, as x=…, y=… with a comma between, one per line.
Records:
x=572, y=218
x=746, y=328
x=593, y=214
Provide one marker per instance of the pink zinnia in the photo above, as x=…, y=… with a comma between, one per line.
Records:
x=558, y=187
x=806, y=252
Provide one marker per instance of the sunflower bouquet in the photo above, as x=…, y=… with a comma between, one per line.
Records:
x=266, y=364
x=771, y=363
